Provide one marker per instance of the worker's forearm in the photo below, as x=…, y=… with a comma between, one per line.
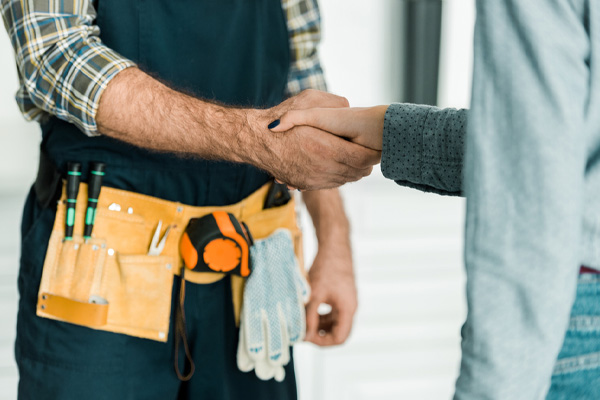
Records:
x=329, y=218
x=140, y=110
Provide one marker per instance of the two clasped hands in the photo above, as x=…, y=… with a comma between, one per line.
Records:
x=319, y=142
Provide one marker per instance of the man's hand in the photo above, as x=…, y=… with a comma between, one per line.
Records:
x=332, y=282
x=306, y=157
x=363, y=126
x=331, y=276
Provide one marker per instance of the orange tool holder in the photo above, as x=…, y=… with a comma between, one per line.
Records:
x=217, y=242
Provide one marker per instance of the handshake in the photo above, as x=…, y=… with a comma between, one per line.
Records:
x=315, y=141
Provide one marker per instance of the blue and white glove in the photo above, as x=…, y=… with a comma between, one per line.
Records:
x=272, y=317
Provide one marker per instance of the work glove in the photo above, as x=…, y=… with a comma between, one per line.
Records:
x=272, y=317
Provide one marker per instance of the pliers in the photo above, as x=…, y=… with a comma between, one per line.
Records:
x=157, y=247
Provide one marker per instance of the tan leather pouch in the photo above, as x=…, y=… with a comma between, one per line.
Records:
x=110, y=283
x=98, y=284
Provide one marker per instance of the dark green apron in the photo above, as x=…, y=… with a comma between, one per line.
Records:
x=232, y=51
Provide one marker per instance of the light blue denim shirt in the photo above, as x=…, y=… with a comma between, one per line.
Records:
x=532, y=182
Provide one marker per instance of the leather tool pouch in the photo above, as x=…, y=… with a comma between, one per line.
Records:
x=110, y=283
x=107, y=282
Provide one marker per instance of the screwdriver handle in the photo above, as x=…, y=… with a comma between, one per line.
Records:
x=73, y=178
x=94, y=186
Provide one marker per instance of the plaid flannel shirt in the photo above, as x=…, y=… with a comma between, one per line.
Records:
x=64, y=67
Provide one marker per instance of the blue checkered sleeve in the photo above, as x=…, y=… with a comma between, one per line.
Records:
x=304, y=27
x=63, y=66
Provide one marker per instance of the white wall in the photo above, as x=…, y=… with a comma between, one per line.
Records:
x=407, y=245
x=18, y=139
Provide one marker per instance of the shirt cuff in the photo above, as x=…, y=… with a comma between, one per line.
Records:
x=402, y=151
x=91, y=73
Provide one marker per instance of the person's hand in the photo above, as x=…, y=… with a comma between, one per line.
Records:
x=306, y=157
x=332, y=282
x=363, y=126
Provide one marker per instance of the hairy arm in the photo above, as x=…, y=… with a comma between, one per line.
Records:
x=331, y=275
x=140, y=110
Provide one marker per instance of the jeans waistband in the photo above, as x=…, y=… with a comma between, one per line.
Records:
x=588, y=270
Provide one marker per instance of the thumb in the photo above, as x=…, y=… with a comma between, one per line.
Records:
x=312, y=318
x=337, y=121
x=291, y=119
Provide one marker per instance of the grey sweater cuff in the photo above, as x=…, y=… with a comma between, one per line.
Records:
x=402, y=150
x=423, y=147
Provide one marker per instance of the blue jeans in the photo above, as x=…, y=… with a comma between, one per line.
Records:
x=577, y=372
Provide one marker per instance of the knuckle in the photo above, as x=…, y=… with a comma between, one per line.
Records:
x=368, y=161
x=355, y=178
x=309, y=92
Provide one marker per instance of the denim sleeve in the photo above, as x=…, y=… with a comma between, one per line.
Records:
x=524, y=183
x=423, y=147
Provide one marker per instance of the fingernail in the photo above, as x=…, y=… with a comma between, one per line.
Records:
x=274, y=124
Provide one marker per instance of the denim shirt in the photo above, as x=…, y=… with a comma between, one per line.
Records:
x=531, y=176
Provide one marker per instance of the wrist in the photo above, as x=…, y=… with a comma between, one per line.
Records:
x=329, y=219
x=339, y=249
x=244, y=136
x=333, y=230
x=338, y=236
x=256, y=144
x=377, y=116
x=379, y=111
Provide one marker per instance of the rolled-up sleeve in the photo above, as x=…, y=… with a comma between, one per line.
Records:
x=63, y=66
x=423, y=147
x=524, y=182
x=304, y=29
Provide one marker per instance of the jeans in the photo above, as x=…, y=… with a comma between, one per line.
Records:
x=576, y=374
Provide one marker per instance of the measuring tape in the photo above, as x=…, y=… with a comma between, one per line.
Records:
x=217, y=242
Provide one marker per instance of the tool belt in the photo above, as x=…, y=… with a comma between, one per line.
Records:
x=110, y=283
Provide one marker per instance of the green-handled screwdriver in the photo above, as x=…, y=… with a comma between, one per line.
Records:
x=94, y=186
x=73, y=177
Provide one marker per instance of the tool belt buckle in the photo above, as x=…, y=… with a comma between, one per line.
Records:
x=217, y=242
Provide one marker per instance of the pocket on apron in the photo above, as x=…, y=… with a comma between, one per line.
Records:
x=96, y=282
x=141, y=286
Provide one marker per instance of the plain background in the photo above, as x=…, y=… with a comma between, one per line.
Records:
x=407, y=245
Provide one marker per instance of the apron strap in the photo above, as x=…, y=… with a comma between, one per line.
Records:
x=47, y=182
x=180, y=334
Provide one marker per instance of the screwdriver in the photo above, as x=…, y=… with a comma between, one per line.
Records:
x=94, y=186
x=73, y=176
